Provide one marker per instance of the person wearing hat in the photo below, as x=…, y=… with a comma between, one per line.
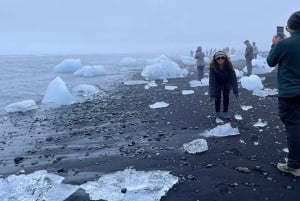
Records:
x=285, y=54
x=248, y=56
x=199, y=55
x=222, y=79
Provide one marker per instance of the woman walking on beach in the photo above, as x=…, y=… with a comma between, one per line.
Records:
x=222, y=79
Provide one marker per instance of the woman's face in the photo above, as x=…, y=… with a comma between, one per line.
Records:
x=220, y=59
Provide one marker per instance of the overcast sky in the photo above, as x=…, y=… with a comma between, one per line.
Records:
x=115, y=26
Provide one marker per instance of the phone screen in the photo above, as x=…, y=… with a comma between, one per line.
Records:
x=280, y=32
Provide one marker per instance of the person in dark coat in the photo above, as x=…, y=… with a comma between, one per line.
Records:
x=286, y=55
x=199, y=55
x=222, y=79
x=248, y=56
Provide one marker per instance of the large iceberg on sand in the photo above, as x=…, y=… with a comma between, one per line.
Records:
x=39, y=185
x=253, y=82
x=128, y=62
x=21, y=106
x=90, y=71
x=58, y=93
x=131, y=185
x=68, y=66
x=164, y=68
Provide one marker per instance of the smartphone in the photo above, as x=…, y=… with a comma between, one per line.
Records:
x=280, y=32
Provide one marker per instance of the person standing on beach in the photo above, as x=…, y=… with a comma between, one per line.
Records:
x=285, y=54
x=222, y=79
x=199, y=55
x=248, y=56
x=191, y=53
x=255, y=50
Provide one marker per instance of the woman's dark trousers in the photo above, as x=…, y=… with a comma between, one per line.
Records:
x=225, y=94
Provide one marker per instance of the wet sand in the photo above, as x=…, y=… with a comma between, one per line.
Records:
x=86, y=140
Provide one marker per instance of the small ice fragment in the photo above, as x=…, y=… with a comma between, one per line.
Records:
x=187, y=92
x=260, y=123
x=221, y=131
x=246, y=107
x=159, y=105
x=196, y=146
x=286, y=150
x=242, y=141
x=219, y=121
x=238, y=117
x=170, y=87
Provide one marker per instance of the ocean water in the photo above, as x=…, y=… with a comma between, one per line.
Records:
x=27, y=77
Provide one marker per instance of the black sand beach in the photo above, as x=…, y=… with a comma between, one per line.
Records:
x=110, y=133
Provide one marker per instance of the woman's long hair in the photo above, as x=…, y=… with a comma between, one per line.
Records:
x=215, y=65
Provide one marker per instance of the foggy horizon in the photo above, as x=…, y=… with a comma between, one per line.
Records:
x=134, y=26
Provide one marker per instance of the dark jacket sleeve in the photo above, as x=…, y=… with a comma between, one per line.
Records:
x=212, y=83
x=234, y=83
x=274, y=55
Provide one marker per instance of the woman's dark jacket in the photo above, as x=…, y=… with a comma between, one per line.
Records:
x=222, y=80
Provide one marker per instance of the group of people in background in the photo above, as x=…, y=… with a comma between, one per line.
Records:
x=251, y=53
x=285, y=54
x=222, y=79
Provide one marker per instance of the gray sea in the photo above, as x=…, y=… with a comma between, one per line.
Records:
x=27, y=77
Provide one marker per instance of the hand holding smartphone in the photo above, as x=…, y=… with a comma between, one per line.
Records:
x=280, y=32
x=275, y=39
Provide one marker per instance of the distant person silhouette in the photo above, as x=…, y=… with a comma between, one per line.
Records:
x=191, y=53
x=248, y=56
x=199, y=55
x=255, y=50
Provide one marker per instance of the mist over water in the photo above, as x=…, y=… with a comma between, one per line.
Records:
x=27, y=77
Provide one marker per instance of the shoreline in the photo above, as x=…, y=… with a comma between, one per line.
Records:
x=86, y=140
